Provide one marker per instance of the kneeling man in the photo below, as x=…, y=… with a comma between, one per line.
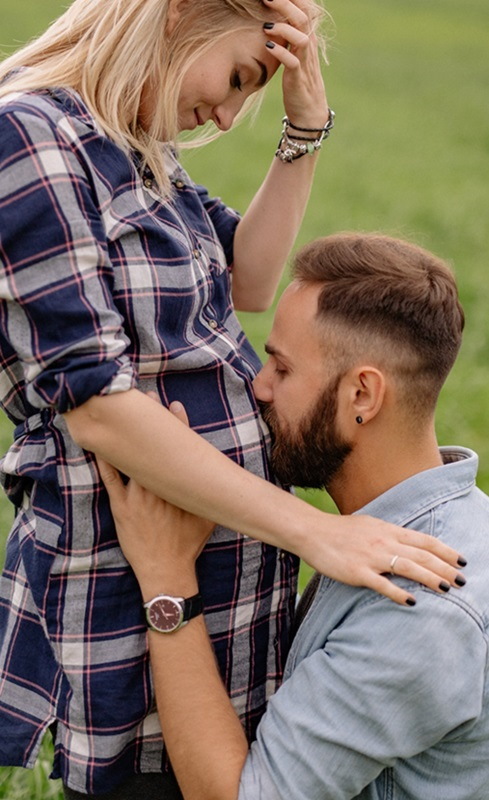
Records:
x=379, y=700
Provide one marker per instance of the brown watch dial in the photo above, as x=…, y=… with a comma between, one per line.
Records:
x=164, y=614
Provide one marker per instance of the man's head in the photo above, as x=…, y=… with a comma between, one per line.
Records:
x=368, y=330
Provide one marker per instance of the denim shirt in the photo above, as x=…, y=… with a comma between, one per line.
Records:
x=382, y=700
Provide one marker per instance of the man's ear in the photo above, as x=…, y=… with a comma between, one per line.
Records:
x=364, y=389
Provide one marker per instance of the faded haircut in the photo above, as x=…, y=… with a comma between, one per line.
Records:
x=388, y=300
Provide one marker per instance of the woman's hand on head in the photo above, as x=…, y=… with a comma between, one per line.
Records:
x=157, y=538
x=295, y=45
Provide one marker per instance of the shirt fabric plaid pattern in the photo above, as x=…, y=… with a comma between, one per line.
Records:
x=104, y=287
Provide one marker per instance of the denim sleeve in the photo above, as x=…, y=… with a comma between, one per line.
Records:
x=57, y=316
x=388, y=684
x=224, y=219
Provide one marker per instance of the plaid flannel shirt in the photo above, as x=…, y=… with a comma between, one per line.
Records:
x=104, y=287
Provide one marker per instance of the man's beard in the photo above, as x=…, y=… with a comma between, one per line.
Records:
x=312, y=455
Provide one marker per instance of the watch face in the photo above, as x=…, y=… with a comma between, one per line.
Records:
x=165, y=614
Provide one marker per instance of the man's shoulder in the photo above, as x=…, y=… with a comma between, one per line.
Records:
x=359, y=621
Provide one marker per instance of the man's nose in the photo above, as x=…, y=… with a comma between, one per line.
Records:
x=262, y=387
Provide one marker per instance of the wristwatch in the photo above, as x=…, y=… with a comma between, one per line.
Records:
x=167, y=614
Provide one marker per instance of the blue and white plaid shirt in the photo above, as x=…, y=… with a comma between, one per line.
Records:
x=104, y=287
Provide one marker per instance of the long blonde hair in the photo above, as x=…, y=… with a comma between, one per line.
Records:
x=108, y=50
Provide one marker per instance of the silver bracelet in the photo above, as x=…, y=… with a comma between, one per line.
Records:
x=291, y=146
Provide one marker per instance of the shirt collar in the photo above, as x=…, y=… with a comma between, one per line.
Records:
x=425, y=490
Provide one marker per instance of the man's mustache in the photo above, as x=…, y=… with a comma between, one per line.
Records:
x=268, y=415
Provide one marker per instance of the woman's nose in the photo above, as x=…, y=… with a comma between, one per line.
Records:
x=225, y=113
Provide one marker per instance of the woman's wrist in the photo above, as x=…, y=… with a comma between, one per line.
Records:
x=308, y=120
x=298, y=139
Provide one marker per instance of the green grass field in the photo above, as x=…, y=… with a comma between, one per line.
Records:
x=409, y=156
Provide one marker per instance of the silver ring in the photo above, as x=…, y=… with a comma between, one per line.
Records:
x=393, y=564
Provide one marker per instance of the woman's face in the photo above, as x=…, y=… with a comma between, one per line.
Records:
x=218, y=82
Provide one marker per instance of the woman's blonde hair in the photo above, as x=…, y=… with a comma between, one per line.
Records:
x=109, y=50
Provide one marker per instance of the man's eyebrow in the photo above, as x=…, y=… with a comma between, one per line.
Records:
x=270, y=350
x=264, y=74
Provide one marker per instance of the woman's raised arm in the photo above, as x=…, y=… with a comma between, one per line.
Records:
x=267, y=232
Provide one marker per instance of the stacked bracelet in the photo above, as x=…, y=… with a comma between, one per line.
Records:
x=292, y=146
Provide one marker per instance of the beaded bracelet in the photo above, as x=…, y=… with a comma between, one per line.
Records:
x=291, y=146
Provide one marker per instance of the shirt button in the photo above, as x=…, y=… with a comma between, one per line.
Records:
x=196, y=253
x=148, y=183
x=179, y=184
x=213, y=324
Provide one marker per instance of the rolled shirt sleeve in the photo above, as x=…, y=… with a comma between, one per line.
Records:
x=57, y=311
x=389, y=683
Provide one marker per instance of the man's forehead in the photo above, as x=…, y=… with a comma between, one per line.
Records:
x=298, y=304
x=294, y=323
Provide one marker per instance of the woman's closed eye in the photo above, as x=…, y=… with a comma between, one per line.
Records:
x=236, y=82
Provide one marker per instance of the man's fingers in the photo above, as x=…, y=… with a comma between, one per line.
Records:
x=111, y=478
x=176, y=408
x=178, y=411
x=154, y=396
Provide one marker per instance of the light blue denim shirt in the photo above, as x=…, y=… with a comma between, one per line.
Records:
x=382, y=701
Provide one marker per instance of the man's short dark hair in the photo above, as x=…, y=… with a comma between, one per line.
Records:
x=389, y=291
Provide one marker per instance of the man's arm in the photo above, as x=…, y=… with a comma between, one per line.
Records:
x=204, y=737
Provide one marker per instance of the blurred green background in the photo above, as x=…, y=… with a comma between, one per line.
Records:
x=409, y=156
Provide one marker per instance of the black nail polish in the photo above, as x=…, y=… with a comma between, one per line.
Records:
x=461, y=561
x=410, y=601
x=268, y=26
x=460, y=580
x=270, y=45
x=444, y=586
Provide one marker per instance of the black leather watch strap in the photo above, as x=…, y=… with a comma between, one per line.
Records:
x=193, y=606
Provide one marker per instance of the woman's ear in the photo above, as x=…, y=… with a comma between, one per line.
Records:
x=173, y=15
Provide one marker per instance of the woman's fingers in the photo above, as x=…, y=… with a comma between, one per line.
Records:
x=426, y=546
x=426, y=569
x=293, y=37
x=367, y=551
x=382, y=585
x=418, y=557
x=303, y=87
x=294, y=44
x=292, y=11
x=436, y=575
